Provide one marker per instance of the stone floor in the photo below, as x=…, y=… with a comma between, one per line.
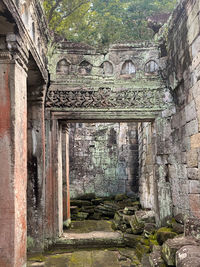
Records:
x=64, y=256
x=88, y=258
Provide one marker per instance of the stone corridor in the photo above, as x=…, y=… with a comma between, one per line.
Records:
x=74, y=119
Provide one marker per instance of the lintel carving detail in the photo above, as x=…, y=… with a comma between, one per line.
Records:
x=106, y=98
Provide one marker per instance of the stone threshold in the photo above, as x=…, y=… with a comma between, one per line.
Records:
x=97, y=239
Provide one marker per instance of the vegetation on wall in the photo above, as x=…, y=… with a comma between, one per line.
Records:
x=100, y=22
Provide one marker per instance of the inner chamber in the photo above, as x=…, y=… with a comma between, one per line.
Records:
x=108, y=159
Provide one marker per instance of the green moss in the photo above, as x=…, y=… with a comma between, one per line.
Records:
x=144, y=241
x=153, y=236
x=165, y=229
x=136, y=262
x=164, y=234
x=153, y=242
x=79, y=258
x=141, y=250
x=39, y=258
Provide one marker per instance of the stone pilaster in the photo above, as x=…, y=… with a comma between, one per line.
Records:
x=13, y=151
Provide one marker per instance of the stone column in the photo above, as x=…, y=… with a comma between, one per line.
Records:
x=49, y=188
x=36, y=168
x=59, y=182
x=54, y=205
x=13, y=153
x=66, y=191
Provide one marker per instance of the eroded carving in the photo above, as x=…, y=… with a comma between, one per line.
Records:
x=107, y=68
x=63, y=67
x=106, y=98
x=85, y=67
x=128, y=68
x=151, y=67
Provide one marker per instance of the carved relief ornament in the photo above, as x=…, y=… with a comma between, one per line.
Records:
x=105, y=98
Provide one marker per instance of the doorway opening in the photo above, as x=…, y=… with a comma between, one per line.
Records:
x=105, y=161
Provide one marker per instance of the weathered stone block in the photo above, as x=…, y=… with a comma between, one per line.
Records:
x=192, y=227
x=193, y=173
x=136, y=225
x=192, y=158
x=193, y=30
x=132, y=240
x=192, y=127
x=190, y=111
x=156, y=260
x=149, y=229
x=164, y=234
x=195, y=88
x=197, y=101
x=175, y=121
x=180, y=218
x=178, y=227
x=194, y=187
x=145, y=216
x=186, y=255
x=188, y=262
x=195, y=141
x=194, y=201
x=183, y=157
x=171, y=246
x=185, y=142
x=130, y=210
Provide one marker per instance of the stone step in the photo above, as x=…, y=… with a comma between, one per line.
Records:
x=95, y=239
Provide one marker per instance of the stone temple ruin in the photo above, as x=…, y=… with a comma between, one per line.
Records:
x=75, y=119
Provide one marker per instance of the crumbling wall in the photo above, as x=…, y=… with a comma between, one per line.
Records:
x=103, y=158
x=183, y=44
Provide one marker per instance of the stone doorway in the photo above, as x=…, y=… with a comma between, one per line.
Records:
x=95, y=96
x=105, y=159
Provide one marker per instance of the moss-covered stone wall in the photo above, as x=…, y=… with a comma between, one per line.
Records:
x=103, y=158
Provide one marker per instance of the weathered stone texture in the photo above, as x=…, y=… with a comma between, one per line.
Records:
x=146, y=165
x=21, y=64
x=183, y=59
x=13, y=171
x=85, y=85
x=103, y=158
x=188, y=256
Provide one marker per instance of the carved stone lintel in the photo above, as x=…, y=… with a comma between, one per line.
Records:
x=105, y=98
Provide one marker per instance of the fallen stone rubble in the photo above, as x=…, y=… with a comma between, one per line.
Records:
x=92, y=208
x=176, y=244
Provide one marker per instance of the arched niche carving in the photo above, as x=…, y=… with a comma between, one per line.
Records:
x=128, y=68
x=151, y=67
x=63, y=66
x=85, y=67
x=107, y=68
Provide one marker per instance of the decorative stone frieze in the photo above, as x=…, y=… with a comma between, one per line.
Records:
x=105, y=98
